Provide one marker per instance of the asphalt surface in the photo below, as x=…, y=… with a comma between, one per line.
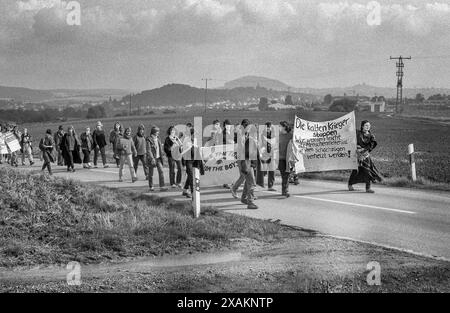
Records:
x=408, y=219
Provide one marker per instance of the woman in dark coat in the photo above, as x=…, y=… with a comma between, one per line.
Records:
x=367, y=171
x=47, y=146
x=70, y=147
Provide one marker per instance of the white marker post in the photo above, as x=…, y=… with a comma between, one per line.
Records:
x=412, y=161
x=196, y=194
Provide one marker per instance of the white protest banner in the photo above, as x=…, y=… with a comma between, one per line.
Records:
x=12, y=142
x=326, y=146
x=3, y=148
x=220, y=167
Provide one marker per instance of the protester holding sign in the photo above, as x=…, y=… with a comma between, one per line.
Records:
x=70, y=146
x=367, y=171
x=47, y=146
x=286, y=156
x=27, y=149
x=267, y=157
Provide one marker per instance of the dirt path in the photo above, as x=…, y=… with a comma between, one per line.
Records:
x=314, y=264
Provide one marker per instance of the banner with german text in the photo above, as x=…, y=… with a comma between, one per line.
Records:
x=326, y=146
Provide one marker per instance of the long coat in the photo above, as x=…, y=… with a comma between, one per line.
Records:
x=75, y=153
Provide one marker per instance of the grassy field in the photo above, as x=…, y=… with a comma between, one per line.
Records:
x=430, y=138
x=46, y=220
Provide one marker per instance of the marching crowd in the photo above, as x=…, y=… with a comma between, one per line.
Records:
x=258, y=157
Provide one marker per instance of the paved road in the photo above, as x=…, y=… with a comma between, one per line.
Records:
x=409, y=219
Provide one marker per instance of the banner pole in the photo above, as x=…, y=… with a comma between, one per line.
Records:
x=196, y=194
x=412, y=162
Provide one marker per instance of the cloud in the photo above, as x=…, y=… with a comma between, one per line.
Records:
x=195, y=35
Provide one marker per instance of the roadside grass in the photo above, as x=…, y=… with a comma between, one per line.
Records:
x=48, y=220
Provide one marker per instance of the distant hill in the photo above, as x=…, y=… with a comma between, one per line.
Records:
x=24, y=94
x=181, y=95
x=257, y=81
x=20, y=94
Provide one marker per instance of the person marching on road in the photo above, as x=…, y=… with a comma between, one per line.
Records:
x=47, y=146
x=115, y=133
x=57, y=139
x=173, y=142
x=287, y=156
x=154, y=158
x=87, y=143
x=27, y=149
x=367, y=171
x=248, y=148
x=126, y=151
x=100, y=144
x=70, y=146
x=141, y=148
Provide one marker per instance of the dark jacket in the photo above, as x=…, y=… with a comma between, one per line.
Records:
x=26, y=139
x=87, y=142
x=151, y=149
x=48, y=152
x=140, y=144
x=58, y=138
x=368, y=143
x=99, y=138
x=64, y=146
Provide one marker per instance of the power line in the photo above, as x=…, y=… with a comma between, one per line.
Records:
x=399, y=74
x=206, y=89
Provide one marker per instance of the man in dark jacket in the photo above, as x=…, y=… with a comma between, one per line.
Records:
x=99, y=144
x=141, y=148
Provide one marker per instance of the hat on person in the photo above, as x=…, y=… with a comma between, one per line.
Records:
x=154, y=130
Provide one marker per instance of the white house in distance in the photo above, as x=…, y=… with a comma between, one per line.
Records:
x=379, y=105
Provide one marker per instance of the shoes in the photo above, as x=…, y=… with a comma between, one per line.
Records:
x=163, y=189
x=350, y=188
x=226, y=186
x=255, y=198
x=152, y=189
x=73, y=170
x=287, y=195
x=188, y=195
x=271, y=189
x=370, y=191
x=233, y=193
x=95, y=166
x=179, y=185
x=174, y=186
x=252, y=206
x=244, y=201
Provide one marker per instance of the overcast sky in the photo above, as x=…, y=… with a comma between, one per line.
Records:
x=143, y=44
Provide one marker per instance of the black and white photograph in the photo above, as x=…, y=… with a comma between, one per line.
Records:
x=224, y=151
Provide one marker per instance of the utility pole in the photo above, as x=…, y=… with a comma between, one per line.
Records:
x=206, y=89
x=399, y=74
x=130, y=104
